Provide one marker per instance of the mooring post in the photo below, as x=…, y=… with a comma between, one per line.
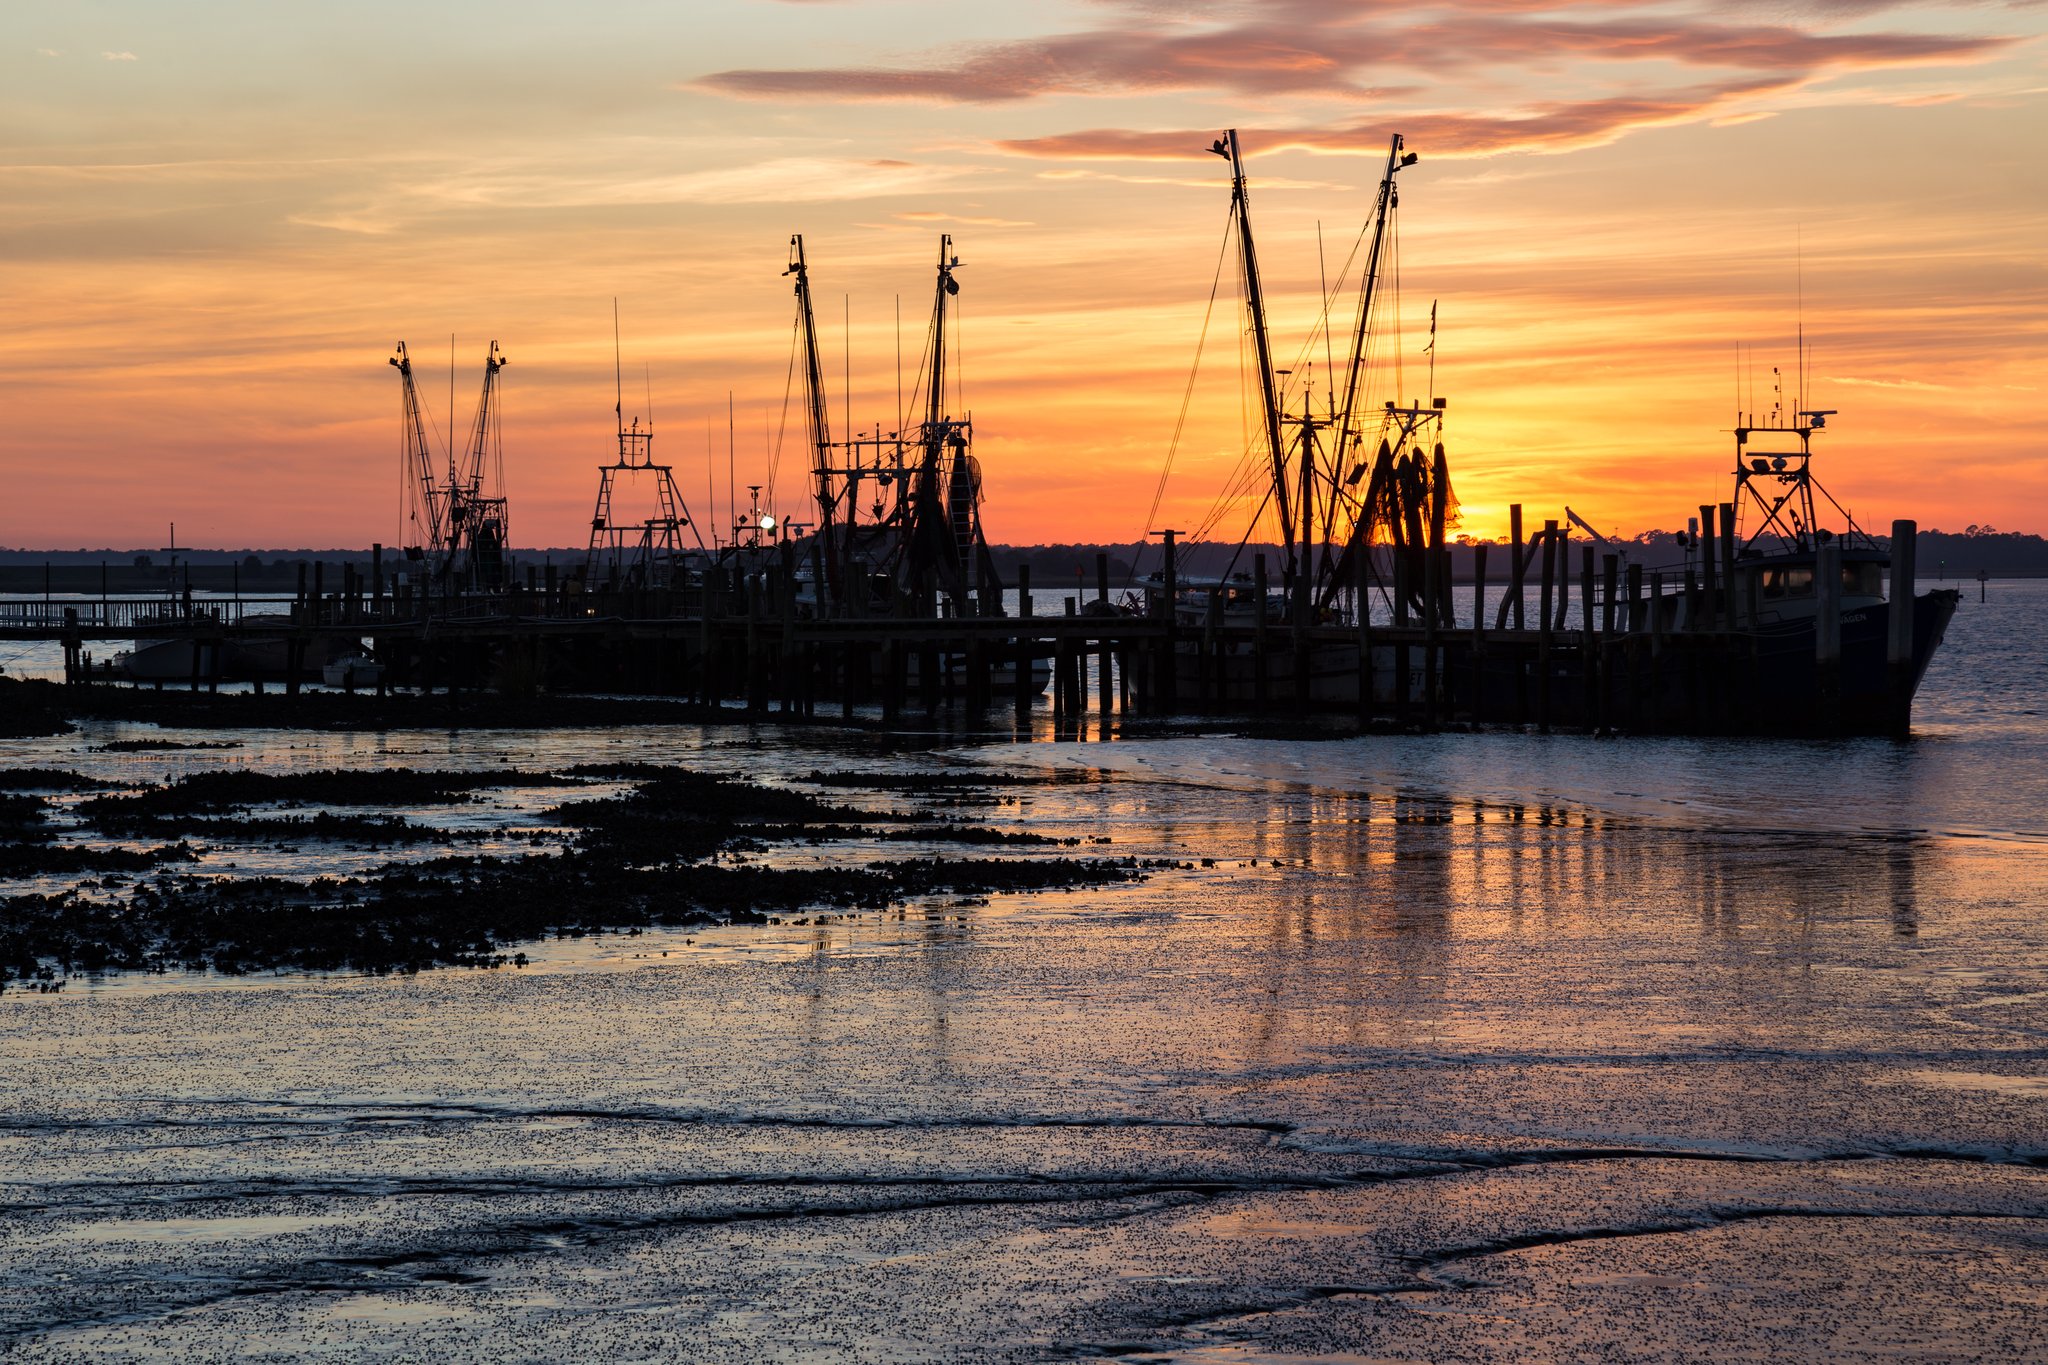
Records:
x=1899, y=632
x=1020, y=681
x=1593, y=712
x=1478, y=698
x=1517, y=575
x=1656, y=609
x=1024, y=590
x=1729, y=604
x=1564, y=577
x=1165, y=687
x=1545, y=624
x=1102, y=577
x=1610, y=583
x=1634, y=645
x=1707, y=613
x=1105, y=691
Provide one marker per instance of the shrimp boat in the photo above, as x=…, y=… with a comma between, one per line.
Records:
x=1776, y=623
x=1360, y=493
x=1828, y=650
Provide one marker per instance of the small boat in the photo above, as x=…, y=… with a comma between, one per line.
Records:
x=352, y=671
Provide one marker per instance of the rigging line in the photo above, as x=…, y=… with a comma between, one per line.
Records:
x=1329, y=365
x=788, y=386
x=1187, y=399
x=1231, y=566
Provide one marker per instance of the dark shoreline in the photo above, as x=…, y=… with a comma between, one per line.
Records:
x=671, y=852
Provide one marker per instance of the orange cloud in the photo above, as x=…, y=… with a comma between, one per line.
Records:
x=1335, y=59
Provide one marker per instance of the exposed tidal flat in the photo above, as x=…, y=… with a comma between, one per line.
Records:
x=1456, y=1047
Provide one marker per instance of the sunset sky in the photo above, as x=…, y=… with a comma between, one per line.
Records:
x=219, y=217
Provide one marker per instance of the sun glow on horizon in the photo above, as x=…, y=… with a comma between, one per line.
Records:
x=213, y=241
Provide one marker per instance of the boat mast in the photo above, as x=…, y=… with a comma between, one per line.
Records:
x=935, y=406
x=471, y=516
x=480, y=434
x=1396, y=159
x=418, y=456
x=814, y=387
x=1255, y=305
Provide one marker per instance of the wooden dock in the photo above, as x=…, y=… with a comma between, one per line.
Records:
x=1619, y=666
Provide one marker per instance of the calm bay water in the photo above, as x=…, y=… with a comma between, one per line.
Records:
x=1492, y=1047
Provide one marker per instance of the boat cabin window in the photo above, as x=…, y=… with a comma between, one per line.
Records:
x=1862, y=579
x=1794, y=580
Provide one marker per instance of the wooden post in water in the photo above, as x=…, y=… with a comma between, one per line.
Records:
x=1517, y=570
x=1590, y=670
x=1656, y=649
x=1635, y=645
x=1024, y=590
x=1102, y=577
x=1020, y=688
x=1478, y=700
x=1729, y=605
x=1564, y=576
x=1706, y=616
x=1610, y=582
x=1544, y=627
x=1899, y=630
x=1105, y=691
x=1827, y=637
x=1164, y=688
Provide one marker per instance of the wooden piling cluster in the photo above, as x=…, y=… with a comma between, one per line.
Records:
x=1640, y=653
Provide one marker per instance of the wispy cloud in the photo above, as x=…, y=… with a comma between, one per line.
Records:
x=927, y=216
x=49, y=52
x=1552, y=127
x=119, y=57
x=1339, y=58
